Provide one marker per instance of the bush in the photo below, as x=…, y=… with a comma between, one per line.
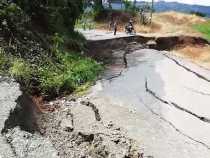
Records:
x=198, y=13
x=20, y=70
x=51, y=79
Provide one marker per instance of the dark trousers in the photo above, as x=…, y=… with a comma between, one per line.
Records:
x=115, y=31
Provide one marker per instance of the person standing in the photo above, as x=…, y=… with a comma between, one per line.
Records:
x=115, y=27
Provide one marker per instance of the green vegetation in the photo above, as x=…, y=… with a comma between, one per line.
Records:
x=69, y=73
x=86, y=20
x=40, y=48
x=54, y=15
x=198, y=13
x=66, y=74
x=204, y=28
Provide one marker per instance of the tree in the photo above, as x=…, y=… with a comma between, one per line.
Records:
x=98, y=5
x=110, y=4
x=127, y=5
x=53, y=15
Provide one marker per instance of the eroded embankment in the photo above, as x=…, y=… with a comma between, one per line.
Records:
x=103, y=49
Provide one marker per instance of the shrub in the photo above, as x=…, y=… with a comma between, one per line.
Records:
x=198, y=13
x=20, y=70
x=51, y=79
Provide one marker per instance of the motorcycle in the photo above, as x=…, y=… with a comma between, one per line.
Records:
x=129, y=29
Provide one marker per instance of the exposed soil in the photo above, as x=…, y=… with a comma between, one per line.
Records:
x=102, y=50
x=77, y=129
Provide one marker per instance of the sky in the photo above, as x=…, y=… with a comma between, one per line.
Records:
x=199, y=2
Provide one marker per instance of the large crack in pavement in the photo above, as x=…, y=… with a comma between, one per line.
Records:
x=154, y=94
x=187, y=69
x=173, y=126
x=94, y=108
x=115, y=76
x=130, y=48
x=172, y=104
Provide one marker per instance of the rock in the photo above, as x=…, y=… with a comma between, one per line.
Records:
x=67, y=125
x=151, y=43
x=27, y=145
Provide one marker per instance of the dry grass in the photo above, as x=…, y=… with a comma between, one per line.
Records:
x=176, y=18
x=163, y=23
x=178, y=23
x=198, y=54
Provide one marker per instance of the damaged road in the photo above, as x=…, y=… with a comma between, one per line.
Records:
x=19, y=137
x=75, y=130
x=161, y=100
x=148, y=104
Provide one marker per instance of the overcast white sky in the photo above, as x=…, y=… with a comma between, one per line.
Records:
x=199, y=2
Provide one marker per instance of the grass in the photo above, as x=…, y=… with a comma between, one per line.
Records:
x=71, y=72
x=67, y=73
x=204, y=29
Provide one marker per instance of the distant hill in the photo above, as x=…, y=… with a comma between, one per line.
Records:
x=162, y=6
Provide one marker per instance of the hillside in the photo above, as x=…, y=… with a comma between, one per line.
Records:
x=166, y=23
x=163, y=6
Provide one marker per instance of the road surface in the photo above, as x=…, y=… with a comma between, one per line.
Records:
x=162, y=101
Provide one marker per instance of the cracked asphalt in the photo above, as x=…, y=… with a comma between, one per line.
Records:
x=16, y=143
x=162, y=101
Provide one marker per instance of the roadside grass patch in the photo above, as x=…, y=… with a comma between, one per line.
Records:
x=204, y=29
x=70, y=73
x=20, y=69
x=67, y=73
